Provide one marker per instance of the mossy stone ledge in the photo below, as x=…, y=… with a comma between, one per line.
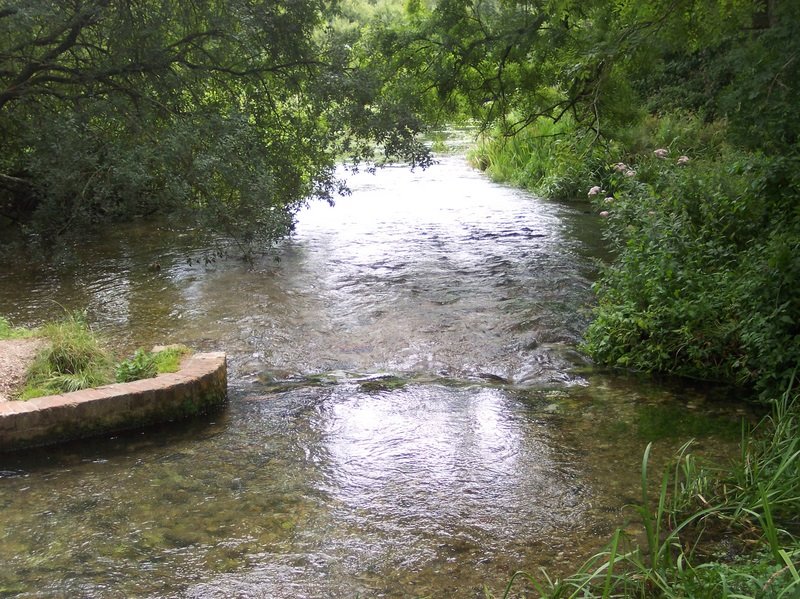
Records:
x=200, y=386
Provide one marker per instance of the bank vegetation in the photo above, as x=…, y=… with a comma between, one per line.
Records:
x=677, y=119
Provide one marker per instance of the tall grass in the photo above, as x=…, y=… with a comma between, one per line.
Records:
x=73, y=359
x=555, y=160
x=708, y=533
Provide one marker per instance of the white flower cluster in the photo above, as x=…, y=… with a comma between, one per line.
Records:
x=623, y=168
x=596, y=190
x=662, y=153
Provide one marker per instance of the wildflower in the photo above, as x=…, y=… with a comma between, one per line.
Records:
x=609, y=200
x=683, y=160
x=620, y=167
x=594, y=191
x=605, y=213
x=630, y=173
x=661, y=153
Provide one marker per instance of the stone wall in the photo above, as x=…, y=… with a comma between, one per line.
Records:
x=199, y=386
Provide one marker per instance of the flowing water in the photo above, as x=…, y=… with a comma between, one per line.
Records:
x=408, y=414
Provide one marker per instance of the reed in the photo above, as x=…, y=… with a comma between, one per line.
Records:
x=552, y=159
x=683, y=511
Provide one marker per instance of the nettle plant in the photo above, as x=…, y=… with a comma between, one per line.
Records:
x=147, y=364
x=141, y=365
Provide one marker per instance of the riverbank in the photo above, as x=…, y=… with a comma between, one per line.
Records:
x=694, y=289
x=16, y=358
x=710, y=530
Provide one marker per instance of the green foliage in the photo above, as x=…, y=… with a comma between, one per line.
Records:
x=72, y=360
x=145, y=364
x=767, y=478
x=10, y=332
x=169, y=359
x=551, y=159
x=705, y=272
x=229, y=115
x=512, y=64
x=140, y=366
x=761, y=101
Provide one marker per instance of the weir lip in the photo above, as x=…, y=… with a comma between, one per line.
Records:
x=198, y=387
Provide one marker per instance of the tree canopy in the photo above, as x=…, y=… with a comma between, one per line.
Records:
x=510, y=63
x=230, y=112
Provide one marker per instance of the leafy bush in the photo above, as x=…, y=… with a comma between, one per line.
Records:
x=708, y=264
x=145, y=364
x=140, y=366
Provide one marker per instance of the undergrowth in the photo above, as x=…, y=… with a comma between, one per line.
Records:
x=709, y=532
x=551, y=159
x=7, y=331
x=147, y=364
x=707, y=265
x=74, y=357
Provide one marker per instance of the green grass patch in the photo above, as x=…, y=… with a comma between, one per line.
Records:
x=10, y=332
x=169, y=359
x=73, y=359
x=555, y=160
x=76, y=358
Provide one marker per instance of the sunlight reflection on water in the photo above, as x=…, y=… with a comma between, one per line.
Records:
x=493, y=454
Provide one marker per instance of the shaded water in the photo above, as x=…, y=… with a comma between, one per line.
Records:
x=408, y=415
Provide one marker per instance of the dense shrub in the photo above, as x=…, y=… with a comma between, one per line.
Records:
x=705, y=282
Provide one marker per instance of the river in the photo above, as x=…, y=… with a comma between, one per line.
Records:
x=409, y=415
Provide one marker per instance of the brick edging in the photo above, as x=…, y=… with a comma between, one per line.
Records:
x=200, y=385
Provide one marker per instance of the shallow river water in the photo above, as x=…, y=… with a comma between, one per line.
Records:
x=408, y=414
